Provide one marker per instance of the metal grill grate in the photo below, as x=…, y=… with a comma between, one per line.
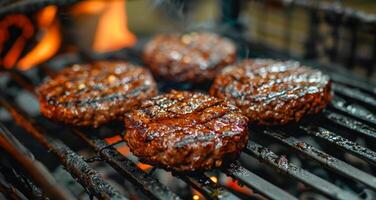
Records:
x=349, y=111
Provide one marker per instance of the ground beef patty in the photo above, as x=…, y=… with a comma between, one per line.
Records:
x=272, y=92
x=186, y=131
x=94, y=94
x=191, y=57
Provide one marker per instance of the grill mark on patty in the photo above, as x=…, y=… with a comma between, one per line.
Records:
x=89, y=88
x=295, y=88
x=176, y=114
x=96, y=93
x=200, y=135
x=195, y=121
x=273, y=90
x=188, y=57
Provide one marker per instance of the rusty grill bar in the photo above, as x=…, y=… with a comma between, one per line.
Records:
x=350, y=124
x=127, y=168
x=9, y=190
x=30, y=190
x=73, y=163
x=341, y=142
x=322, y=157
x=256, y=182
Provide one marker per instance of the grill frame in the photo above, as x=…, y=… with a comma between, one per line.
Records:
x=30, y=6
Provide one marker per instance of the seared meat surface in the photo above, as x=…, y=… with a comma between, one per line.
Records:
x=94, y=94
x=272, y=92
x=186, y=131
x=191, y=57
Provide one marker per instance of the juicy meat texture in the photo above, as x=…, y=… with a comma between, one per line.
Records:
x=186, y=131
x=191, y=57
x=93, y=94
x=272, y=92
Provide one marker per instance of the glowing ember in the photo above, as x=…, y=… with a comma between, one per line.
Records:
x=111, y=140
x=124, y=150
x=112, y=30
x=144, y=166
x=235, y=186
x=196, y=197
x=214, y=179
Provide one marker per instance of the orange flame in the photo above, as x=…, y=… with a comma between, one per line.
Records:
x=111, y=33
x=124, y=150
x=112, y=30
x=50, y=42
x=111, y=140
x=46, y=47
x=15, y=51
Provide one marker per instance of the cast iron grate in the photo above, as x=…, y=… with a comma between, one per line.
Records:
x=347, y=112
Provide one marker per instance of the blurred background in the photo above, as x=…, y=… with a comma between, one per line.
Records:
x=338, y=34
x=294, y=28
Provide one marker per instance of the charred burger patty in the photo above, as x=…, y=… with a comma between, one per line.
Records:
x=186, y=131
x=272, y=92
x=94, y=94
x=191, y=57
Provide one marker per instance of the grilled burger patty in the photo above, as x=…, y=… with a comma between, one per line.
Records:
x=192, y=57
x=186, y=131
x=272, y=92
x=94, y=94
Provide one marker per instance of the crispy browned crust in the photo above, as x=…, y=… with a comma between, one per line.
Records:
x=193, y=57
x=272, y=92
x=186, y=131
x=94, y=94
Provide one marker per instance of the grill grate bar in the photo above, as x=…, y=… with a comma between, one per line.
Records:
x=352, y=82
x=156, y=189
x=78, y=168
x=29, y=189
x=23, y=81
x=342, y=142
x=207, y=187
x=354, y=110
x=9, y=191
x=37, y=171
x=152, y=186
x=127, y=168
x=32, y=191
x=282, y=164
x=257, y=183
x=328, y=161
x=27, y=185
x=354, y=94
x=350, y=123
